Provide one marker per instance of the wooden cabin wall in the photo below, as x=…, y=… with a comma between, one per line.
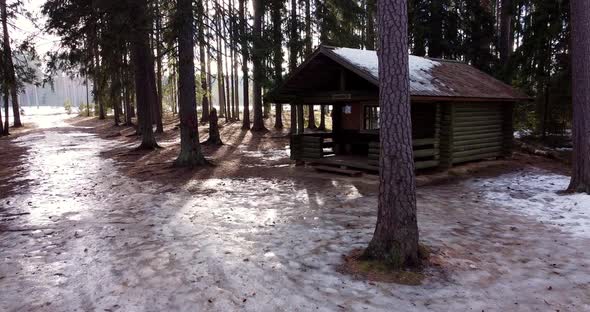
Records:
x=474, y=131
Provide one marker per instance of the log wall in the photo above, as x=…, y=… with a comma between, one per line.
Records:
x=476, y=131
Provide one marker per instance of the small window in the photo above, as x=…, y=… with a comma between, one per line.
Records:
x=371, y=118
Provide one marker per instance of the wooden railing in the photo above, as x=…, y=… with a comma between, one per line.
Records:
x=426, y=153
x=311, y=146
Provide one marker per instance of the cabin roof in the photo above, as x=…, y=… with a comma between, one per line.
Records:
x=435, y=78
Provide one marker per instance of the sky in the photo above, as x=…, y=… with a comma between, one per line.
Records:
x=24, y=28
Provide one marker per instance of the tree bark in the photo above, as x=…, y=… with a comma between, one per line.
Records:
x=245, y=73
x=395, y=240
x=202, y=59
x=9, y=73
x=258, y=124
x=322, y=117
x=214, y=136
x=308, y=37
x=278, y=56
x=436, y=28
x=158, y=31
x=1, y=123
x=220, y=79
x=370, y=38
x=580, y=23
x=145, y=85
x=311, y=117
x=506, y=38
x=293, y=37
x=190, y=148
x=5, y=96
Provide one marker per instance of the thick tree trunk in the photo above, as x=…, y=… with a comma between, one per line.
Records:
x=9, y=73
x=190, y=148
x=258, y=124
x=396, y=234
x=245, y=73
x=293, y=116
x=145, y=84
x=202, y=58
x=580, y=21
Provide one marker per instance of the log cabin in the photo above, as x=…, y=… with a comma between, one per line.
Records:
x=459, y=113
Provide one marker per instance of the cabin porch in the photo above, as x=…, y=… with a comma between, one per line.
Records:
x=354, y=140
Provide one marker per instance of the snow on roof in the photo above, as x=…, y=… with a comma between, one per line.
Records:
x=421, y=78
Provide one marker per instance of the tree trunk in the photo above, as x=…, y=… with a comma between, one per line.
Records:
x=322, y=117
x=190, y=148
x=506, y=38
x=258, y=124
x=311, y=118
x=10, y=76
x=214, y=136
x=293, y=37
x=580, y=22
x=245, y=74
x=203, y=72
x=220, y=79
x=158, y=31
x=6, y=125
x=97, y=76
x=435, y=41
x=308, y=37
x=145, y=85
x=278, y=56
x=1, y=123
x=235, y=40
x=126, y=93
x=370, y=38
x=395, y=240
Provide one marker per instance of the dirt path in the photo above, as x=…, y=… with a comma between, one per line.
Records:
x=80, y=236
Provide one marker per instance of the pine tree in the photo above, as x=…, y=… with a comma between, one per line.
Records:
x=257, y=54
x=580, y=10
x=190, y=149
x=277, y=11
x=396, y=234
x=245, y=57
x=9, y=72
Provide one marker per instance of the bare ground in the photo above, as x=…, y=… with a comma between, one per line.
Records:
x=99, y=226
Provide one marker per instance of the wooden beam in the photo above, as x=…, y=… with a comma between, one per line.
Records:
x=300, y=124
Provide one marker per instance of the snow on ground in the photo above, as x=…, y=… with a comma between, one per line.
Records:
x=80, y=236
x=421, y=78
x=536, y=195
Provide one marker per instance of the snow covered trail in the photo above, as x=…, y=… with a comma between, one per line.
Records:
x=78, y=236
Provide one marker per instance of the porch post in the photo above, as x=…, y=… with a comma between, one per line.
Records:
x=293, y=114
x=300, y=125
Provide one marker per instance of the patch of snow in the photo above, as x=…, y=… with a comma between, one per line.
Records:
x=519, y=134
x=537, y=195
x=421, y=78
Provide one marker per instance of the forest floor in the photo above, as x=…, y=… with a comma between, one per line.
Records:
x=88, y=223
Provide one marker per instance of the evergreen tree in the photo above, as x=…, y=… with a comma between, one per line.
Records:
x=395, y=240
